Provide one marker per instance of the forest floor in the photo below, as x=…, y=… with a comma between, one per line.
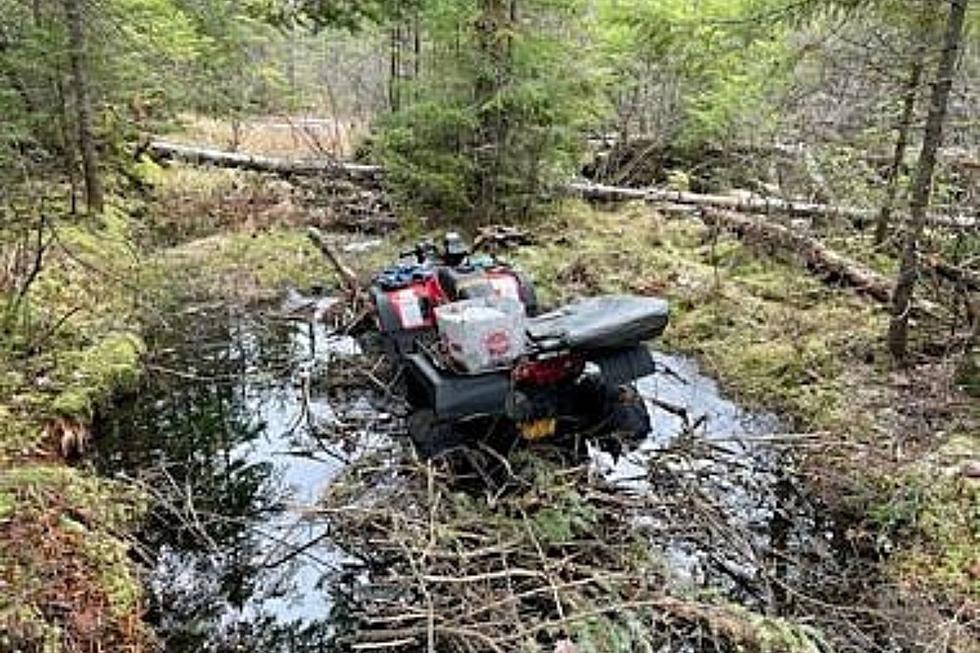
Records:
x=888, y=461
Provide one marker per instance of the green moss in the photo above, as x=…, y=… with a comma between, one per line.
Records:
x=109, y=504
x=26, y=623
x=243, y=266
x=72, y=346
x=149, y=171
x=85, y=516
x=109, y=556
x=111, y=364
x=936, y=517
x=96, y=372
x=861, y=247
x=253, y=266
x=17, y=435
x=774, y=635
x=6, y=504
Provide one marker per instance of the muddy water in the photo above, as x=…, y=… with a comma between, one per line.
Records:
x=226, y=436
x=741, y=522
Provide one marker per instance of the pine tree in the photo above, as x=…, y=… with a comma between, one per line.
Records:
x=497, y=115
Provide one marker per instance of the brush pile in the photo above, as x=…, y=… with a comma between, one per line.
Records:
x=541, y=554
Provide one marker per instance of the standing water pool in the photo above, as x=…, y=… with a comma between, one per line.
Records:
x=226, y=436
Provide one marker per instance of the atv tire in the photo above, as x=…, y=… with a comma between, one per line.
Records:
x=433, y=437
x=629, y=415
x=430, y=436
x=627, y=423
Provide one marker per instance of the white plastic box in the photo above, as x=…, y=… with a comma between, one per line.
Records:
x=481, y=334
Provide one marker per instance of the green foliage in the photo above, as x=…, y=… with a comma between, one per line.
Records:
x=80, y=517
x=724, y=57
x=147, y=60
x=497, y=117
x=110, y=365
x=930, y=520
x=346, y=14
x=231, y=77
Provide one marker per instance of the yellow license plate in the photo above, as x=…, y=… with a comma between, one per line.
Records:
x=538, y=429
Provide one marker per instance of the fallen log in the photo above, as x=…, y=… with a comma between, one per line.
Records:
x=816, y=255
x=749, y=204
x=957, y=276
x=167, y=151
x=347, y=275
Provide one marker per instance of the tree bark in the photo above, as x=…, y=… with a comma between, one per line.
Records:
x=494, y=61
x=165, y=151
x=922, y=188
x=83, y=105
x=815, y=254
x=417, y=48
x=69, y=152
x=901, y=144
x=394, y=72
x=750, y=204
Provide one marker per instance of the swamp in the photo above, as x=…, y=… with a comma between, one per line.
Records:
x=481, y=326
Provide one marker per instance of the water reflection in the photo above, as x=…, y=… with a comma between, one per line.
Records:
x=224, y=436
x=736, y=519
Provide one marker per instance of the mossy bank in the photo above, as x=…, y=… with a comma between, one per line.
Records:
x=72, y=341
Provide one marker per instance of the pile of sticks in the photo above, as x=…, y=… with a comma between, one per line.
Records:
x=552, y=558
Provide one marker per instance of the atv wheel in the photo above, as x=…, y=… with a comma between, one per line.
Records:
x=627, y=423
x=430, y=436
x=433, y=437
x=630, y=416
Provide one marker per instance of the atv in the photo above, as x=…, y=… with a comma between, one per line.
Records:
x=571, y=376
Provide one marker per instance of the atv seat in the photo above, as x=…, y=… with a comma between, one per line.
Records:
x=609, y=322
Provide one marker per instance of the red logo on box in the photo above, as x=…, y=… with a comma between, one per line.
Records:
x=497, y=343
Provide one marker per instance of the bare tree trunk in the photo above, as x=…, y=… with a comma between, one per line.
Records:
x=64, y=124
x=417, y=47
x=165, y=151
x=969, y=366
x=922, y=188
x=394, y=95
x=901, y=144
x=83, y=102
x=291, y=55
x=754, y=204
x=494, y=60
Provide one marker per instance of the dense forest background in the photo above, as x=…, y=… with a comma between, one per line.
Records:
x=827, y=150
x=480, y=110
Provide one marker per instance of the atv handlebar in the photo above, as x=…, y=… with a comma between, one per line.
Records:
x=422, y=251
